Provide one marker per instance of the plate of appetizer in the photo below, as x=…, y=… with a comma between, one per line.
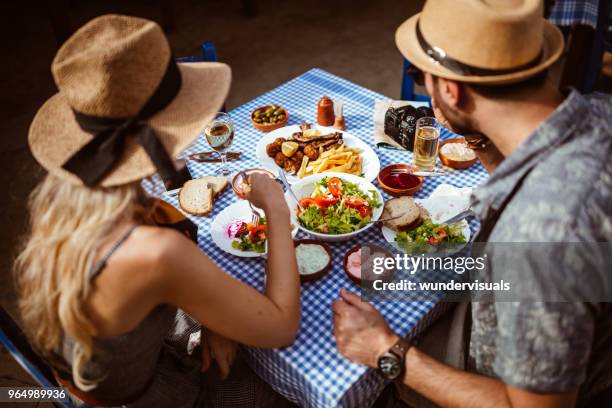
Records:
x=420, y=222
x=232, y=231
x=334, y=206
x=304, y=150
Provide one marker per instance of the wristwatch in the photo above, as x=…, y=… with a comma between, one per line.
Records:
x=391, y=363
x=477, y=142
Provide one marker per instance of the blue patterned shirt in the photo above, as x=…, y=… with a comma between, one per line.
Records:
x=546, y=346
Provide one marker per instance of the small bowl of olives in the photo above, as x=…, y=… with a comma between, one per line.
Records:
x=269, y=117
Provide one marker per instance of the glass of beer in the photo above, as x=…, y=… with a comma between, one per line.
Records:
x=220, y=134
x=426, y=138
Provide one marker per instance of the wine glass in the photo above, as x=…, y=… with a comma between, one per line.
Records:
x=219, y=133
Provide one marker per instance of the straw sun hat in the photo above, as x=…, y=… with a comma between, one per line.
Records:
x=480, y=41
x=124, y=108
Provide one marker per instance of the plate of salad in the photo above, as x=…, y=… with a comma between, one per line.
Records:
x=334, y=206
x=429, y=233
x=232, y=231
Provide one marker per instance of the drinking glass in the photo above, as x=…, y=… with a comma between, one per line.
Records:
x=426, y=139
x=219, y=133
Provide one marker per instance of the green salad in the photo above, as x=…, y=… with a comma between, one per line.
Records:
x=433, y=234
x=337, y=206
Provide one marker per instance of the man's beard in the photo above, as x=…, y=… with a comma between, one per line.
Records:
x=460, y=123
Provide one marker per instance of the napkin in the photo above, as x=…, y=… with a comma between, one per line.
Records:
x=447, y=201
x=380, y=107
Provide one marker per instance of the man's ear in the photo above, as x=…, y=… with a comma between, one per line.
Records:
x=450, y=91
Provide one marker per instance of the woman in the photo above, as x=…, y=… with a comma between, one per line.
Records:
x=100, y=280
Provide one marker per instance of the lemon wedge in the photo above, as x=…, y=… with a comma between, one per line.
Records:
x=289, y=148
x=312, y=132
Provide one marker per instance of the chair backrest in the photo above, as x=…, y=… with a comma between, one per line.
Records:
x=408, y=86
x=208, y=54
x=15, y=341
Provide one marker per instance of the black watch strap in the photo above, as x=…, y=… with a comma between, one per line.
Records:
x=400, y=348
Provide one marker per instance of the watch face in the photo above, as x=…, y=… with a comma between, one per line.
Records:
x=390, y=366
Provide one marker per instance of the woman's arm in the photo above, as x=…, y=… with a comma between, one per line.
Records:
x=190, y=280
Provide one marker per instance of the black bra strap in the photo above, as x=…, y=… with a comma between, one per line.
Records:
x=101, y=264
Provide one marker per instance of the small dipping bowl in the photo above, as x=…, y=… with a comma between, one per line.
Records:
x=455, y=164
x=311, y=277
x=398, y=180
x=264, y=127
x=237, y=180
x=359, y=280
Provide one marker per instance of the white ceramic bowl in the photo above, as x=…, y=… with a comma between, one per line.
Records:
x=305, y=187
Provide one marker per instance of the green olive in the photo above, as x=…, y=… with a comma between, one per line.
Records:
x=278, y=111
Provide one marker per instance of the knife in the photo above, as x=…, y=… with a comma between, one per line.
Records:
x=428, y=173
x=212, y=157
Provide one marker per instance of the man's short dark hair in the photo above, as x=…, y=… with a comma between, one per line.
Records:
x=509, y=90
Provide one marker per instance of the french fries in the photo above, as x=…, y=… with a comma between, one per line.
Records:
x=340, y=159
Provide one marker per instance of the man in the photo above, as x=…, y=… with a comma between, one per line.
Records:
x=485, y=67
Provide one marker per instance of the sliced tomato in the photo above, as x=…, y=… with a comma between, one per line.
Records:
x=354, y=201
x=308, y=202
x=433, y=241
x=365, y=211
x=440, y=233
x=334, y=185
x=325, y=200
x=258, y=232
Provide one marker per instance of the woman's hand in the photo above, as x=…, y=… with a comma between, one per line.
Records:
x=218, y=348
x=267, y=194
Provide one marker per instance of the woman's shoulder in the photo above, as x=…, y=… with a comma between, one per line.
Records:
x=157, y=245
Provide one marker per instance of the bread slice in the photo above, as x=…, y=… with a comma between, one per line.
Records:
x=218, y=184
x=405, y=206
x=196, y=197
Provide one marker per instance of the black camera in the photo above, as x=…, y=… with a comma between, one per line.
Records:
x=400, y=123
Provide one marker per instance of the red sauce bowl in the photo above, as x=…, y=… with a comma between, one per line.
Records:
x=385, y=276
x=397, y=180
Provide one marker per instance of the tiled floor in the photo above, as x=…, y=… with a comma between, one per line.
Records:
x=351, y=38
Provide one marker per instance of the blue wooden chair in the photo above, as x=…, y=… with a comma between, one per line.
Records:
x=408, y=86
x=13, y=338
x=209, y=54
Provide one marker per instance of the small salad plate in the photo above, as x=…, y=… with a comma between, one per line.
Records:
x=230, y=224
x=445, y=202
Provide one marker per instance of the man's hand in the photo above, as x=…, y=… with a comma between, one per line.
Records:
x=362, y=334
x=218, y=348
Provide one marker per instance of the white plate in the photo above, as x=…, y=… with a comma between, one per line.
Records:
x=305, y=187
x=371, y=164
x=440, y=208
x=240, y=210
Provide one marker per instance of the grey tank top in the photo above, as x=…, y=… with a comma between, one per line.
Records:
x=126, y=366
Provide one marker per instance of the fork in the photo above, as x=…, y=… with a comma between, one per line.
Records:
x=255, y=215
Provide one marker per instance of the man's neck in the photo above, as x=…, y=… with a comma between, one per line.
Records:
x=508, y=124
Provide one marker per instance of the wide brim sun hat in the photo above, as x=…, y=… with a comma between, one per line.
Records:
x=125, y=109
x=491, y=42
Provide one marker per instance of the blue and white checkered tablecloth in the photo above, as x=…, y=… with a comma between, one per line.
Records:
x=311, y=372
x=574, y=12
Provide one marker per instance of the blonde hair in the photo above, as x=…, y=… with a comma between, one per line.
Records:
x=68, y=224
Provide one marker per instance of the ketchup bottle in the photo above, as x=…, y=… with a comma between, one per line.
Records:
x=325, y=111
